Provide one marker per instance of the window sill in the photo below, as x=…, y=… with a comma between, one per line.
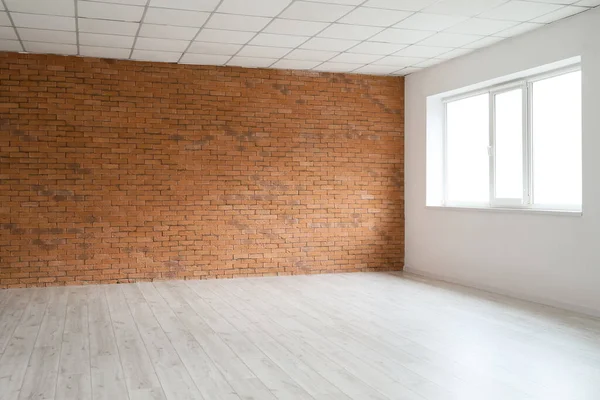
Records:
x=569, y=213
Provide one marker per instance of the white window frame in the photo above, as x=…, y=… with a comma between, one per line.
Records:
x=527, y=201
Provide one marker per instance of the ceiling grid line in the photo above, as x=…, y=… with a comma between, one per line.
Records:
x=385, y=37
x=361, y=42
x=256, y=34
x=14, y=26
x=325, y=28
x=266, y=26
x=474, y=16
x=331, y=24
x=76, y=27
x=199, y=30
x=371, y=37
x=137, y=33
x=491, y=35
x=381, y=8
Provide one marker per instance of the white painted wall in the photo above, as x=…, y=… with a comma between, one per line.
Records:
x=551, y=259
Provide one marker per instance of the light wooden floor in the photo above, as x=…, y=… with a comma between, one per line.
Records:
x=353, y=336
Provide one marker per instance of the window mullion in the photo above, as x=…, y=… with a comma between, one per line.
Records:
x=445, y=155
x=527, y=145
x=492, y=147
x=464, y=123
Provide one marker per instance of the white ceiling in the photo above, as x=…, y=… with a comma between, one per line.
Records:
x=382, y=37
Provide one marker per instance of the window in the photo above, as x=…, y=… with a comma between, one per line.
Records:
x=516, y=145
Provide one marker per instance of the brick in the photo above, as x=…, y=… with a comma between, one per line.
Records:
x=120, y=171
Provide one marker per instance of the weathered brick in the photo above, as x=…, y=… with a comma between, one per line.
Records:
x=118, y=171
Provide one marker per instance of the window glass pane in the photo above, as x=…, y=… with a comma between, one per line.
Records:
x=467, y=135
x=509, y=145
x=556, y=139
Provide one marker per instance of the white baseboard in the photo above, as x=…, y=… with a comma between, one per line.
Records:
x=476, y=285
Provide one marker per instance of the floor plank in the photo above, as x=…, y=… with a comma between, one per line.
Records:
x=42, y=371
x=74, y=372
x=172, y=374
x=279, y=383
x=106, y=371
x=12, y=306
x=407, y=369
x=138, y=369
x=361, y=336
x=298, y=327
x=240, y=377
x=15, y=359
x=205, y=373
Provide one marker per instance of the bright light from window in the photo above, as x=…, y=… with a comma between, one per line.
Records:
x=467, y=139
x=509, y=144
x=556, y=137
x=517, y=145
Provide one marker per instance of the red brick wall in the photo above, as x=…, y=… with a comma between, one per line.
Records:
x=118, y=171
